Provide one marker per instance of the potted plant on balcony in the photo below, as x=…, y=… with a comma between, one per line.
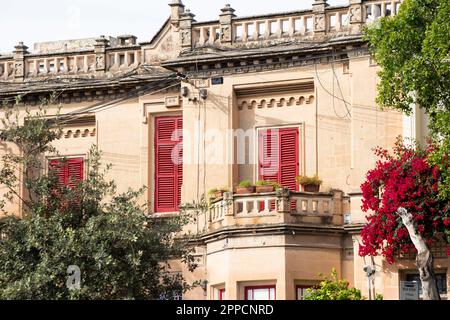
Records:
x=245, y=187
x=310, y=184
x=217, y=193
x=263, y=186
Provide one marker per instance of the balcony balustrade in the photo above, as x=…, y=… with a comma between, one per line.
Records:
x=281, y=206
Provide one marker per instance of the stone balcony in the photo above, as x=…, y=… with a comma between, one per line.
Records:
x=280, y=207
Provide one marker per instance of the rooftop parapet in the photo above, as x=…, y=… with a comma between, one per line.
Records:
x=320, y=22
x=106, y=57
x=97, y=57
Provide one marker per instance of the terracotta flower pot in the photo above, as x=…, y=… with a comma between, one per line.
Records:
x=265, y=189
x=245, y=190
x=311, y=188
x=219, y=194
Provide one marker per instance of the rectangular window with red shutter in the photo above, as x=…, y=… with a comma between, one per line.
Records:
x=69, y=171
x=222, y=294
x=279, y=156
x=168, y=163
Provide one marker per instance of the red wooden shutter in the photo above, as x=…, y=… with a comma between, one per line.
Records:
x=60, y=170
x=269, y=155
x=222, y=294
x=289, y=163
x=168, y=171
x=70, y=172
x=180, y=163
x=75, y=171
x=278, y=154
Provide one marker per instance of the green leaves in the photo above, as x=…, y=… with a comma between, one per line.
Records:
x=121, y=252
x=334, y=289
x=413, y=51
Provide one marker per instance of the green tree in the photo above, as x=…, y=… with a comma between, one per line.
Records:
x=121, y=252
x=413, y=51
x=334, y=289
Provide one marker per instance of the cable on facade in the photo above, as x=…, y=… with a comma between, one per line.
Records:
x=92, y=109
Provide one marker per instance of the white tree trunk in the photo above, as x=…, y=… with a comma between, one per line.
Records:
x=424, y=258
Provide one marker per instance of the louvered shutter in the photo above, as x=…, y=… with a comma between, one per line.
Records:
x=279, y=156
x=75, y=169
x=60, y=170
x=180, y=163
x=69, y=172
x=269, y=155
x=168, y=171
x=289, y=163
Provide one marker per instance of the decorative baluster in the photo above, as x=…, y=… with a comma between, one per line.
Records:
x=339, y=22
x=291, y=27
x=246, y=36
x=266, y=205
x=244, y=207
x=255, y=206
x=201, y=38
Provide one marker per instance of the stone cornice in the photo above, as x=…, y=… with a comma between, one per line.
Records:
x=272, y=229
x=75, y=92
x=263, y=59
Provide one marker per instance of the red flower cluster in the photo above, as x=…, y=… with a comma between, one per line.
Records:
x=402, y=179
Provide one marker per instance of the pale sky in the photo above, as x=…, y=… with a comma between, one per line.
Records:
x=48, y=20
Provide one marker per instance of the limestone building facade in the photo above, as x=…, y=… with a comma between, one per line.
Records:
x=266, y=97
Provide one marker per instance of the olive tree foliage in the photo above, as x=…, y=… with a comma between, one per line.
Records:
x=120, y=251
x=413, y=52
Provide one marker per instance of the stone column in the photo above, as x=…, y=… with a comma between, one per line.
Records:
x=226, y=26
x=85, y=64
x=186, y=29
x=283, y=200
x=320, y=22
x=177, y=9
x=116, y=60
x=56, y=64
x=356, y=16
x=136, y=58
x=66, y=64
x=337, y=207
x=100, y=54
x=19, y=61
x=228, y=202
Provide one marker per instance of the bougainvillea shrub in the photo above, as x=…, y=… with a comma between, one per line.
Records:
x=403, y=178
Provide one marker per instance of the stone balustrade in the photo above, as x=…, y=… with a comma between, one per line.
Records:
x=259, y=204
x=374, y=10
x=6, y=69
x=80, y=63
x=322, y=20
x=101, y=61
x=277, y=207
x=312, y=204
x=60, y=65
x=105, y=57
x=217, y=211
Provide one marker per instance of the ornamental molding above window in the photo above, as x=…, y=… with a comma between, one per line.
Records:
x=275, y=94
x=79, y=133
x=273, y=102
x=78, y=127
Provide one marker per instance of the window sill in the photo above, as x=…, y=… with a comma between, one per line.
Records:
x=164, y=214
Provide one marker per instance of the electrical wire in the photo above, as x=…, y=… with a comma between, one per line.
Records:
x=76, y=114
